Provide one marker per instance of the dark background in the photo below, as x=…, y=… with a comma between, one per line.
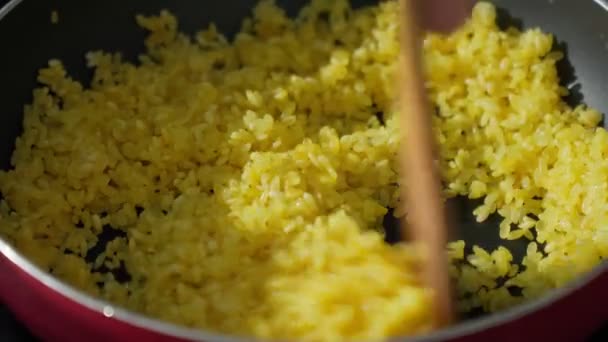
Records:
x=10, y=329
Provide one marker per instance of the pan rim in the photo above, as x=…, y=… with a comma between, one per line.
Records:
x=8, y=7
x=141, y=321
x=167, y=329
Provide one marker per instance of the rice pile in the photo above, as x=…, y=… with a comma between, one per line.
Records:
x=244, y=183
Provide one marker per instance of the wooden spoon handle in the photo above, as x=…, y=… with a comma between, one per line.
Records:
x=422, y=191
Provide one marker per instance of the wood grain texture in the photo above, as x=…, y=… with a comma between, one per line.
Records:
x=421, y=193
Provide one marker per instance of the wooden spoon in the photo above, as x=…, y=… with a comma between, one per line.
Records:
x=421, y=191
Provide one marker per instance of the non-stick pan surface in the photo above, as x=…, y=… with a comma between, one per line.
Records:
x=28, y=40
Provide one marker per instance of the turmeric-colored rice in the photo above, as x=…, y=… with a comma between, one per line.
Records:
x=246, y=182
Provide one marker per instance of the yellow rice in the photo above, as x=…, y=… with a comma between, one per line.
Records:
x=251, y=177
x=54, y=17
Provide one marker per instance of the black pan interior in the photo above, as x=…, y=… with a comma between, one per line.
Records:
x=29, y=40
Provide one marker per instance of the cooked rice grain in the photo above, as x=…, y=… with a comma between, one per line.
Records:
x=249, y=179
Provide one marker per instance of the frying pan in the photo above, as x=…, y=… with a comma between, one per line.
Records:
x=57, y=312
